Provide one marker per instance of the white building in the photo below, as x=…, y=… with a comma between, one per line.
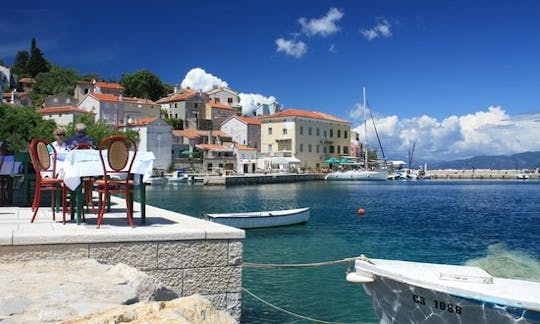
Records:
x=62, y=115
x=155, y=136
x=243, y=130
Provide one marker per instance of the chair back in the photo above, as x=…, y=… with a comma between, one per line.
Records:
x=43, y=156
x=118, y=157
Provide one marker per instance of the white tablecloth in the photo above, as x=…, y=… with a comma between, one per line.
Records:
x=75, y=164
x=10, y=166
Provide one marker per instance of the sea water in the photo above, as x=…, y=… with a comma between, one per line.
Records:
x=492, y=224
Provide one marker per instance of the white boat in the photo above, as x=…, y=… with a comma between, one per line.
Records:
x=156, y=180
x=178, y=176
x=357, y=175
x=522, y=176
x=360, y=174
x=262, y=219
x=414, y=292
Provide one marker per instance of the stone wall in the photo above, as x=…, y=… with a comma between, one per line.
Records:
x=211, y=268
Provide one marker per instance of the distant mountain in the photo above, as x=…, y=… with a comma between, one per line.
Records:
x=526, y=160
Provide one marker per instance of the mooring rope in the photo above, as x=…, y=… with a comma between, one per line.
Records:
x=287, y=311
x=297, y=265
x=301, y=265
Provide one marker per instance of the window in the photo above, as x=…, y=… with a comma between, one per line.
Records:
x=346, y=150
x=338, y=149
x=324, y=133
x=318, y=132
x=331, y=149
x=309, y=148
x=301, y=147
x=284, y=131
x=216, y=100
x=345, y=134
x=318, y=149
x=269, y=147
x=331, y=133
x=339, y=133
x=309, y=131
x=301, y=130
x=269, y=130
x=230, y=100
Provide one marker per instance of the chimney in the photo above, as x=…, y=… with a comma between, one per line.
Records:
x=175, y=89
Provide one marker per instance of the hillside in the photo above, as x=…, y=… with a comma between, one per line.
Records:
x=526, y=160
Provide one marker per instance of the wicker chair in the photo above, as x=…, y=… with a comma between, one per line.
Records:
x=114, y=152
x=44, y=158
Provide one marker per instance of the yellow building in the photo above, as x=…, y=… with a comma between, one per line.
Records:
x=311, y=137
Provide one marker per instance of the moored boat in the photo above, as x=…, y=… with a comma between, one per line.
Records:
x=357, y=175
x=262, y=219
x=414, y=292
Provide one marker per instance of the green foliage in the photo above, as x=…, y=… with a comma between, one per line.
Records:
x=36, y=63
x=19, y=67
x=143, y=84
x=57, y=80
x=175, y=123
x=97, y=131
x=21, y=124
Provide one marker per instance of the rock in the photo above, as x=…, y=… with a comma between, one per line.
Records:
x=56, y=290
x=189, y=310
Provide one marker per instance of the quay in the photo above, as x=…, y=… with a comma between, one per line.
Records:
x=250, y=179
x=187, y=254
x=479, y=174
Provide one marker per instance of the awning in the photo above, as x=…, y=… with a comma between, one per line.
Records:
x=293, y=160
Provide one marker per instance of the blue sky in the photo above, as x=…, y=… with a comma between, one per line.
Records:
x=458, y=78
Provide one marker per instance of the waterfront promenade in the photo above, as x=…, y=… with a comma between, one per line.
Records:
x=187, y=254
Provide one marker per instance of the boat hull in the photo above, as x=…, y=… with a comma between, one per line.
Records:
x=397, y=300
x=262, y=219
x=357, y=175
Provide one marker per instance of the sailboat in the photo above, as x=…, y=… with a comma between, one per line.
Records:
x=360, y=174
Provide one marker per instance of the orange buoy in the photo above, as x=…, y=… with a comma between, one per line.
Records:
x=361, y=211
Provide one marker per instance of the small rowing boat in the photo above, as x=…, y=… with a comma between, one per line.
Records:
x=261, y=219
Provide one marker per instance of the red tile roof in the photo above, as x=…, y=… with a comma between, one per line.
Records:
x=214, y=147
x=104, y=97
x=219, y=105
x=248, y=120
x=143, y=121
x=62, y=109
x=27, y=80
x=305, y=113
x=186, y=94
x=104, y=85
x=245, y=148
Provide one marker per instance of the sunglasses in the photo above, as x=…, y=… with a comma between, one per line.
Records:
x=60, y=134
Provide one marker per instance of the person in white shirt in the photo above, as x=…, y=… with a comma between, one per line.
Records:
x=59, y=145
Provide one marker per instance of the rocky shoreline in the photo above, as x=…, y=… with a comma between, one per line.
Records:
x=86, y=291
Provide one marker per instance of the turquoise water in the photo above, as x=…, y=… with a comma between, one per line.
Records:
x=492, y=224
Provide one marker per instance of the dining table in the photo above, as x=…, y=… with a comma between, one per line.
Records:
x=74, y=165
x=10, y=168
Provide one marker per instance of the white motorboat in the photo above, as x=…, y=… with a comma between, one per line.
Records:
x=262, y=219
x=414, y=292
x=357, y=175
x=156, y=180
x=178, y=176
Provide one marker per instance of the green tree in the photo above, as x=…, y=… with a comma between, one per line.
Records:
x=143, y=84
x=19, y=67
x=57, y=80
x=36, y=62
x=20, y=125
x=97, y=131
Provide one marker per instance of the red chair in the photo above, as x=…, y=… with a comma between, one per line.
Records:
x=44, y=164
x=114, y=152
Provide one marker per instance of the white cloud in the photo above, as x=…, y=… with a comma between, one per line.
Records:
x=199, y=79
x=323, y=26
x=250, y=102
x=382, y=29
x=490, y=132
x=291, y=47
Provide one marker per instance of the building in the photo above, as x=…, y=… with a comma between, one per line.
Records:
x=118, y=110
x=84, y=88
x=60, y=99
x=246, y=159
x=311, y=137
x=62, y=115
x=216, y=113
x=244, y=130
x=225, y=96
x=218, y=159
x=155, y=136
x=187, y=105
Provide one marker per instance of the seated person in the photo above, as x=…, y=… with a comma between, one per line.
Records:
x=79, y=138
x=59, y=145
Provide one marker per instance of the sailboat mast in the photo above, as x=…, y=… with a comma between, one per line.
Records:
x=365, y=131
